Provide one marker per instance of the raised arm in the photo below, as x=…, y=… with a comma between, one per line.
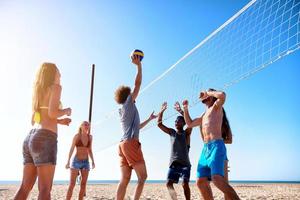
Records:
x=219, y=95
x=91, y=152
x=189, y=122
x=144, y=123
x=138, y=79
x=54, y=111
x=177, y=107
x=188, y=131
x=71, y=151
x=159, y=119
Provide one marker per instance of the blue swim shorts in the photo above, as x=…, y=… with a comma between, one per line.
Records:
x=212, y=159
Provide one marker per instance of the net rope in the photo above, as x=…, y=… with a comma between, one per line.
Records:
x=261, y=33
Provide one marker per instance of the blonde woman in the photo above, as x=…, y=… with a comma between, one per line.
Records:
x=40, y=145
x=83, y=143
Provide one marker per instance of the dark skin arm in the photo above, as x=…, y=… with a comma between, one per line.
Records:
x=188, y=131
x=159, y=120
x=177, y=107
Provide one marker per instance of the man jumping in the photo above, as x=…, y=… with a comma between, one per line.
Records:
x=130, y=150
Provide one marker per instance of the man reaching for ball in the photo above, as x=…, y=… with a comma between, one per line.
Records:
x=213, y=156
x=130, y=152
x=179, y=165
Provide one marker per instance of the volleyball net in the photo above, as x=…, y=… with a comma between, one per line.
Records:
x=261, y=33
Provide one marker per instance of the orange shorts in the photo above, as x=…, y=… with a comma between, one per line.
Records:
x=130, y=152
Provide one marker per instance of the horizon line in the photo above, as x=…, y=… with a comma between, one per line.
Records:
x=163, y=180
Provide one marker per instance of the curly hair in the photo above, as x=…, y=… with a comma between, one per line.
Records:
x=122, y=93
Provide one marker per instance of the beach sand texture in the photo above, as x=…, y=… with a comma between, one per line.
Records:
x=159, y=191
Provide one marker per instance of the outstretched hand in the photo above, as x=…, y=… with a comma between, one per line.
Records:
x=164, y=107
x=185, y=104
x=135, y=59
x=152, y=116
x=177, y=107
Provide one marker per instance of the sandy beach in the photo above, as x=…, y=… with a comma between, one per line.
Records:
x=159, y=191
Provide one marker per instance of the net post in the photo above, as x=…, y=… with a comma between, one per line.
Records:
x=91, y=94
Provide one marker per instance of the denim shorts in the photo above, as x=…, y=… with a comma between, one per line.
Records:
x=177, y=171
x=40, y=147
x=80, y=164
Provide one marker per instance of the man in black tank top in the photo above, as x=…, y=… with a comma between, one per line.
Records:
x=179, y=165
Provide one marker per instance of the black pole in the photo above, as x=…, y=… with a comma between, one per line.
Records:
x=92, y=94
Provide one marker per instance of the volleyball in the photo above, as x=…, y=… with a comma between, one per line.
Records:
x=138, y=53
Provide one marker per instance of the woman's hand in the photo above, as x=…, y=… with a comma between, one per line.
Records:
x=93, y=165
x=68, y=111
x=64, y=121
x=67, y=165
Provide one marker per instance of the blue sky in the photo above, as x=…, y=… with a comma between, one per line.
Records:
x=262, y=109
